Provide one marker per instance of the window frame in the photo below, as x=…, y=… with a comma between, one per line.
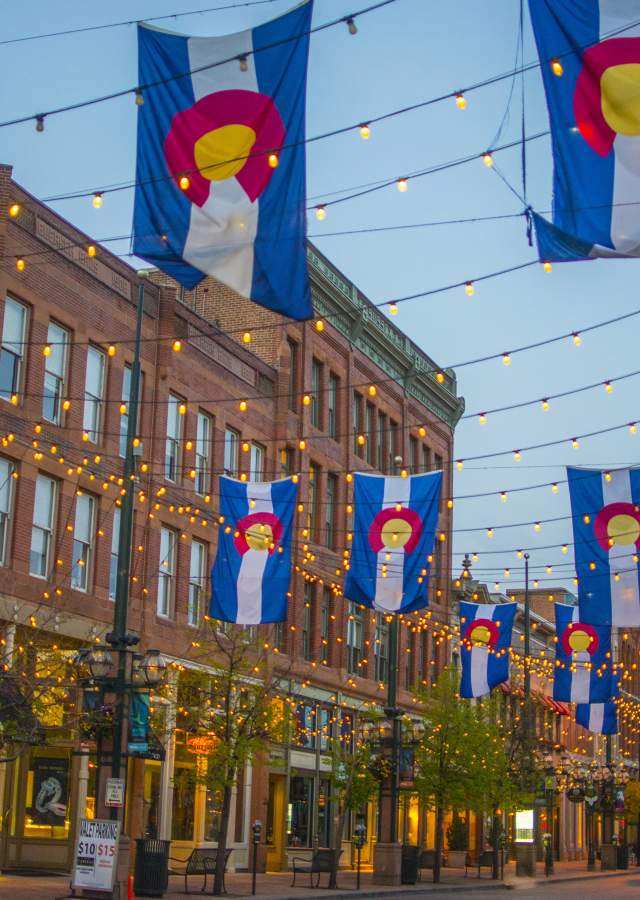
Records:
x=47, y=530
x=355, y=638
x=8, y=346
x=173, y=442
x=356, y=422
x=292, y=387
x=167, y=575
x=88, y=546
x=6, y=515
x=312, y=500
x=202, y=484
x=196, y=584
x=91, y=401
x=114, y=554
x=234, y=436
x=257, y=452
x=61, y=378
x=126, y=399
x=330, y=510
x=332, y=405
x=316, y=411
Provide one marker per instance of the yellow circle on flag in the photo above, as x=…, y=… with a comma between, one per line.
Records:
x=259, y=536
x=480, y=634
x=396, y=532
x=623, y=529
x=620, y=92
x=579, y=641
x=221, y=153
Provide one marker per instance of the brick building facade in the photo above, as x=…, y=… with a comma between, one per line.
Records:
x=317, y=400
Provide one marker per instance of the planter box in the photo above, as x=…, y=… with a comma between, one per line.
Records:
x=456, y=859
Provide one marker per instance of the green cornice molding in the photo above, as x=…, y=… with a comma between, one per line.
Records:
x=369, y=330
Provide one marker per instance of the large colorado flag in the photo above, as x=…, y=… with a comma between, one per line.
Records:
x=583, y=672
x=590, y=60
x=605, y=507
x=220, y=179
x=485, y=639
x=251, y=574
x=395, y=521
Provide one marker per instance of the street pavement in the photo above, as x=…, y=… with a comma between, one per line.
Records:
x=569, y=880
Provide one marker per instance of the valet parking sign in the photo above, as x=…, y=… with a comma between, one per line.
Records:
x=96, y=855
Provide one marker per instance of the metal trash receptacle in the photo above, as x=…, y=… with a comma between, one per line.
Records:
x=151, y=876
x=409, y=869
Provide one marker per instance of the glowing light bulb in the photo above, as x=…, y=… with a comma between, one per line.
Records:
x=176, y=346
x=519, y=554
x=556, y=67
x=422, y=431
x=306, y=400
x=302, y=444
x=575, y=443
x=46, y=351
x=393, y=309
x=244, y=63
x=459, y=465
x=242, y=406
x=608, y=387
x=577, y=340
x=39, y=124
x=487, y=159
x=14, y=210
x=273, y=160
x=321, y=213
x=440, y=377
x=633, y=427
x=503, y=496
x=607, y=476
x=184, y=183
x=319, y=326
x=20, y=264
x=469, y=289
x=565, y=548
x=461, y=101
x=545, y=405
x=402, y=184
x=97, y=200
x=246, y=337
x=91, y=250
x=517, y=455
x=554, y=488
x=506, y=359
x=482, y=419
x=351, y=25
x=182, y=408
x=489, y=532
x=537, y=526
x=139, y=97
x=372, y=390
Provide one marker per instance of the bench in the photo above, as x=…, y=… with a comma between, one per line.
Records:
x=321, y=861
x=426, y=860
x=201, y=861
x=484, y=861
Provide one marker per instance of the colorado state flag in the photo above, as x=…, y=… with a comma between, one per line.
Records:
x=605, y=507
x=485, y=639
x=601, y=718
x=590, y=59
x=394, y=529
x=583, y=659
x=251, y=574
x=208, y=201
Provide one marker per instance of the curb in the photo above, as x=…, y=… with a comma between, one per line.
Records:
x=394, y=892
x=616, y=873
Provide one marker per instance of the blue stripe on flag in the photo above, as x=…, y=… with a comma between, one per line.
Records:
x=582, y=180
x=280, y=259
x=360, y=584
x=601, y=718
x=277, y=575
x=160, y=209
x=594, y=586
x=234, y=506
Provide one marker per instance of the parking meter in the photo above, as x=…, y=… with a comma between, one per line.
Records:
x=360, y=834
x=256, y=830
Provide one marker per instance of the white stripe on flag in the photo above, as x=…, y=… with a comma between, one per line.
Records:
x=596, y=717
x=221, y=235
x=390, y=589
x=479, y=671
x=625, y=224
x=625, y=601
x=251, y=574
x=581, y=678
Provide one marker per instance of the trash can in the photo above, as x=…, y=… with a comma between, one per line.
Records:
x=151, y=877
x=623, y=856
x=409, y=869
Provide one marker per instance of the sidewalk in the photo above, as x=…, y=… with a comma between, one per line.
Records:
x=48, y=887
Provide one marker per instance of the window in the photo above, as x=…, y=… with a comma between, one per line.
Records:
x=316, y=393
x=299, y=813
x=197, y=578
x=83, y=538
x=126, y=399
x=293, y=374
x=357, y=423
x=166, y=572
x=312, y=502
x=392, y=447
x=55, y=371
x=438, y=462
x=6, y=499
x=354, y=638
x=369, y=433
x=306, y=620
x=42, y=531
x=330, y=510
x=231, y=452
x=174, y=434
x=332, y=405
x=203, y=453
x=426, y=459
x=115, y=548
x=381, y=442
x=12, y=351
x=256, y=471
x=93, y=393
x=286, y=460
x=278, y=636
x=381, y=649
x=414, y=462
x=325, y=618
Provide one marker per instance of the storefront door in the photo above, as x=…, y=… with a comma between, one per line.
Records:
x=276, y=824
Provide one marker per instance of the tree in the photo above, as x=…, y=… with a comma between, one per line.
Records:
x=448, y=771
x=353, y=780
x=233, y=710
x=632, y=809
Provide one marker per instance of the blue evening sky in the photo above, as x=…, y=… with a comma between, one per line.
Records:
x=402, y=54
